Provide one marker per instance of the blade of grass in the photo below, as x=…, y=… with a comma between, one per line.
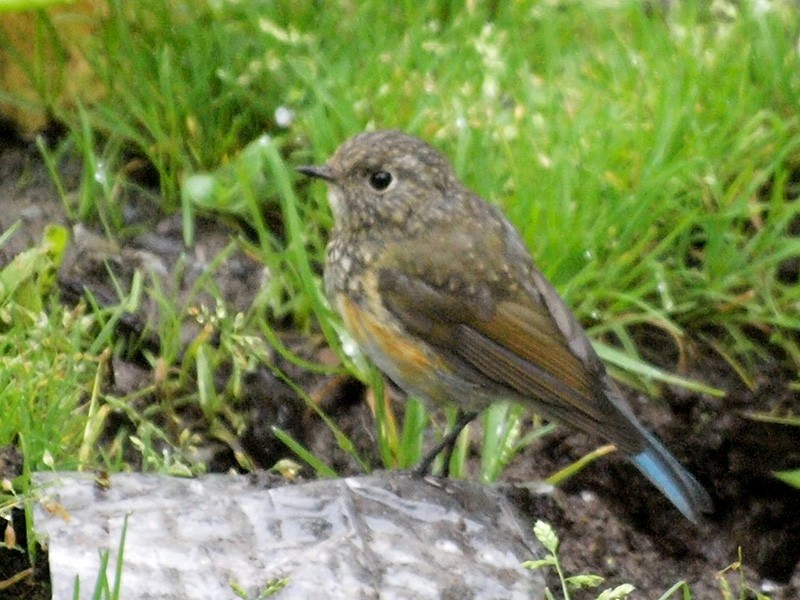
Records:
x=304, y=454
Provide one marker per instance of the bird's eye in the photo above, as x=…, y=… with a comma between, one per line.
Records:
x=380, y=180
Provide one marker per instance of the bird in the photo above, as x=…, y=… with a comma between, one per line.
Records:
x=439, y=290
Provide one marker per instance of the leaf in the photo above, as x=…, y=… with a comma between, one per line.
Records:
x=790, y=477
x=577, y=582
x=538, y=564
x=55, y=242
x=633, y=365
x=502, y=426
x=545, y=534
x=28, y=278
x=777, y=420
x=621, y=591
x=303, y=453
x=20, y=5
x=575, y=467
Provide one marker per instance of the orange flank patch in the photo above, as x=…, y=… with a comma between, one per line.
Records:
x=403, y=358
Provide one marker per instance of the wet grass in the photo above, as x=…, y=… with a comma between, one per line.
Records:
x=649, y=157
x=651, y=160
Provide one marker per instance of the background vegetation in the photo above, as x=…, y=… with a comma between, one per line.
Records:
x=650, y=156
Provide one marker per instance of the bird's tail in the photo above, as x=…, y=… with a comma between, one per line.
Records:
x=674, y=481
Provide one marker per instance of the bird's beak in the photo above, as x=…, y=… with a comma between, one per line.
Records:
x=322, y=172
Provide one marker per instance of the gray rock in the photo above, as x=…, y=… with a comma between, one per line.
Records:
x=386, y=536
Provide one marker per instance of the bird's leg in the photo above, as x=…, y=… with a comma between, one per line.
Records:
x=447, y=443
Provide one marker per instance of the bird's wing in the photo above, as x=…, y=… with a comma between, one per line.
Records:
x=526, y=344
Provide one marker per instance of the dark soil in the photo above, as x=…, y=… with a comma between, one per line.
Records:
x=612, y=522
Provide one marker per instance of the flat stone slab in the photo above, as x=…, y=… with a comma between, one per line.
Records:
x=386, y=535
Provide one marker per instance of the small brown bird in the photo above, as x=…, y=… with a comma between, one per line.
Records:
x=441, y=293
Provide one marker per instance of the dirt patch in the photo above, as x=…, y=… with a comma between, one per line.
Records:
x=612, y=521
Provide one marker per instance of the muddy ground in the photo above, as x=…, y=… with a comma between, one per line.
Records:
x=612, y=522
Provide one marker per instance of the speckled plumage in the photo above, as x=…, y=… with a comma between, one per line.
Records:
x=441, y=293
x=432, y=205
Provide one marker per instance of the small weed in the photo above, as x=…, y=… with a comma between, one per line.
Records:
x=743, y=590
x=548, y=538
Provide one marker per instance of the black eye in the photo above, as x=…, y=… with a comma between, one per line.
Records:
x=380, y=180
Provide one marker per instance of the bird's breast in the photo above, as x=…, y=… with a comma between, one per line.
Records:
x=408, y=361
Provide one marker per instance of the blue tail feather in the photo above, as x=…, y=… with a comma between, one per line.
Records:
x=674, y=481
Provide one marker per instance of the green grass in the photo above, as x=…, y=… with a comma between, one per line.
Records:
x=103, y=588
x=15, y=5
x=663, y=144
x=47, y=368
x=650, y=159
